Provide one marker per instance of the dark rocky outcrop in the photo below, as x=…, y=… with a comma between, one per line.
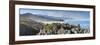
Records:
x=27, y=30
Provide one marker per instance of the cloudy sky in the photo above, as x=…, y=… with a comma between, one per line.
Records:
x=58, y=13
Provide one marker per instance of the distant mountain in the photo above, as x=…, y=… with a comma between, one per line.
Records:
x=40, y=18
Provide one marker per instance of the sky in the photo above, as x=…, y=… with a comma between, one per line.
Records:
x=58, y=13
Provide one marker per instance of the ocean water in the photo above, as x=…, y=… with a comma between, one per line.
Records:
x=84, y=23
